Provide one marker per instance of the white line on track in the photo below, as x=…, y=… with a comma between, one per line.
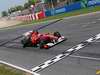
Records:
x=98, y=19
x=60, y=56
x=93, y=22
x=84, y=57
x=88, y=23
x=66, y=53
x=17, y=67
x=97, y=41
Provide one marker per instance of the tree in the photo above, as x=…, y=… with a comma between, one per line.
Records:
x=19, y=8
x=12, y=9
x=29, y=3
x=51, y=3
x=26, y=5
x=4, y=13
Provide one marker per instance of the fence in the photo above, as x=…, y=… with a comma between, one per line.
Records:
x=93, y=3
x=66, y=8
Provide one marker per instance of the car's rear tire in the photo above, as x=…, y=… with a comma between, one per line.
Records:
x=57, y=34
x=25, y=42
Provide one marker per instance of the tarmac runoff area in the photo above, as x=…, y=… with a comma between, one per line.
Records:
x=4, y=22
x=83, y=62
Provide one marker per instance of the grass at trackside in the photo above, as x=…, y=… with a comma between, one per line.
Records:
x=63, y=15
x=5, y=70
x=73, y=13
x=60, y=16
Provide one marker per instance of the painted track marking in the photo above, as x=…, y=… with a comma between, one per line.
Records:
x=66, y=53
x=17, y=67
x=84, y=57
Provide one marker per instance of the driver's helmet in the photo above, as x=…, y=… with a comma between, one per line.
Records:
x=35, y=31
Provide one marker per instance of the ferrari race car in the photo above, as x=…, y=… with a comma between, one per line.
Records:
x=36, y=39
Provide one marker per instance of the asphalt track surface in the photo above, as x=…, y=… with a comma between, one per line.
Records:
x=75, y=29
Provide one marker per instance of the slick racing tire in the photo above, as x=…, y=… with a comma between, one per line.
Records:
x=42, y=43
x=57, y=34
x=25, y=42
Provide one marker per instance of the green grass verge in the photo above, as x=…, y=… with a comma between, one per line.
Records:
x=73, y=13
x=59, y=16
x=6, y=70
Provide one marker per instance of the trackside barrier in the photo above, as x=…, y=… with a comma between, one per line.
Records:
x=40, y=15
x=72, y=7
x=19, y=68
x=66, y=53
x=29, y=17
x=93, y=3
x=66, y=8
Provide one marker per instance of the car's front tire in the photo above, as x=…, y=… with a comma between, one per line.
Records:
x=57, y=34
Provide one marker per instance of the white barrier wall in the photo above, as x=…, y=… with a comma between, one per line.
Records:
x=29, y=17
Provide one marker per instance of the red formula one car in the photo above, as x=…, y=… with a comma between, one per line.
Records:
x=36, y=39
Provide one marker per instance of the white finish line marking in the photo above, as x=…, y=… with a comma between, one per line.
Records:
x=17, y=67
x=65, y=53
